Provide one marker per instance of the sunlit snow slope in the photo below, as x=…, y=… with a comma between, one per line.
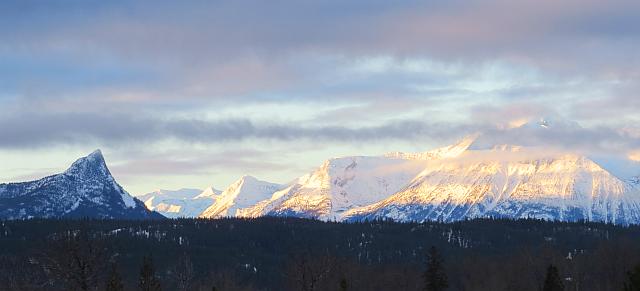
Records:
x=245, y=192
x=180, y=203
x=341, y=184
x=510, y=182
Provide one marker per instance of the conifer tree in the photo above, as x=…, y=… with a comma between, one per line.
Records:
x=435, y=278
x=114, y=281
x=343, y=285
x=553, y=282
x=633, y=280
x=183, y=273
x=148, y=280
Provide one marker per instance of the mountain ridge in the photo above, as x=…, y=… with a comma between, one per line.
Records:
x=461, y=181
x=501, y=181
x=85, y=189
x=185, y=202
x=568, y=187
x=244, y=192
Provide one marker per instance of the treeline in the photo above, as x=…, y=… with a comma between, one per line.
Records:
x=297, y=254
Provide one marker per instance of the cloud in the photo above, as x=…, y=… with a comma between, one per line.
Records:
x=237, y=48
x=120, y=73
x=563, y=135
x=512, y=115
x=374, y=62
x=37, y=130
x=230, y=27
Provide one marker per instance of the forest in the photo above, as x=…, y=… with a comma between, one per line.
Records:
x=272, y=253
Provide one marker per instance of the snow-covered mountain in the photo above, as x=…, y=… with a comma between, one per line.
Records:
x=469, y=179
x=342, y=184
x=210, y=192
x=86, y=189
x=458, y=182
x=511, y=182
x=245, y=192
x=180, y=203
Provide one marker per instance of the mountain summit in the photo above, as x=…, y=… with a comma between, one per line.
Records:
x=245, y=192
x=85, y=189
x=510, y=182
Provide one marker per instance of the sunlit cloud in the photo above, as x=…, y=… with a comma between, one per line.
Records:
x=350, y=77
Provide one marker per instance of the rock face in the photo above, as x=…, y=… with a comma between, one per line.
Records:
x=86, y=189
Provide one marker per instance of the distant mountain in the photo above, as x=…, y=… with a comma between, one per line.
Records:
x=245, y=192
x=342, y=184
x=180, y=203
x=86, y=189
x=210, y=192
x=461, y=181
x=470, y=179
x=512, y=182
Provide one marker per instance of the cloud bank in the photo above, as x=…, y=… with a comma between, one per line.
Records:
x=361, y=74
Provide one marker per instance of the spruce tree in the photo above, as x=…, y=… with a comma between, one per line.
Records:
x=553, y=282
x=435, y=278
x=343, y=285
x=114, y=281
x=148, y=280
x=633, y=280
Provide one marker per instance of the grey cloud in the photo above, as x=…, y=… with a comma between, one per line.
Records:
x=520, y=123
x=146, y=52
x=43, y=130
x=36, y=130
x=565, y=135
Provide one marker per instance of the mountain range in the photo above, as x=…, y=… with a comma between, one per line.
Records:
x=465, y=180
x=455, y=183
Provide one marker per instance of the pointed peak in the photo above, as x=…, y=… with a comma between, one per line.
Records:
x=248, y=182
x=94, y=162
x=208, y=192
x=96, y=155
x=248, y=178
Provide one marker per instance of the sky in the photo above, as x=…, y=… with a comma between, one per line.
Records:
x=189, y=94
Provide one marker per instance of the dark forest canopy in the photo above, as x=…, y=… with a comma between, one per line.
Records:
x=297, y=254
